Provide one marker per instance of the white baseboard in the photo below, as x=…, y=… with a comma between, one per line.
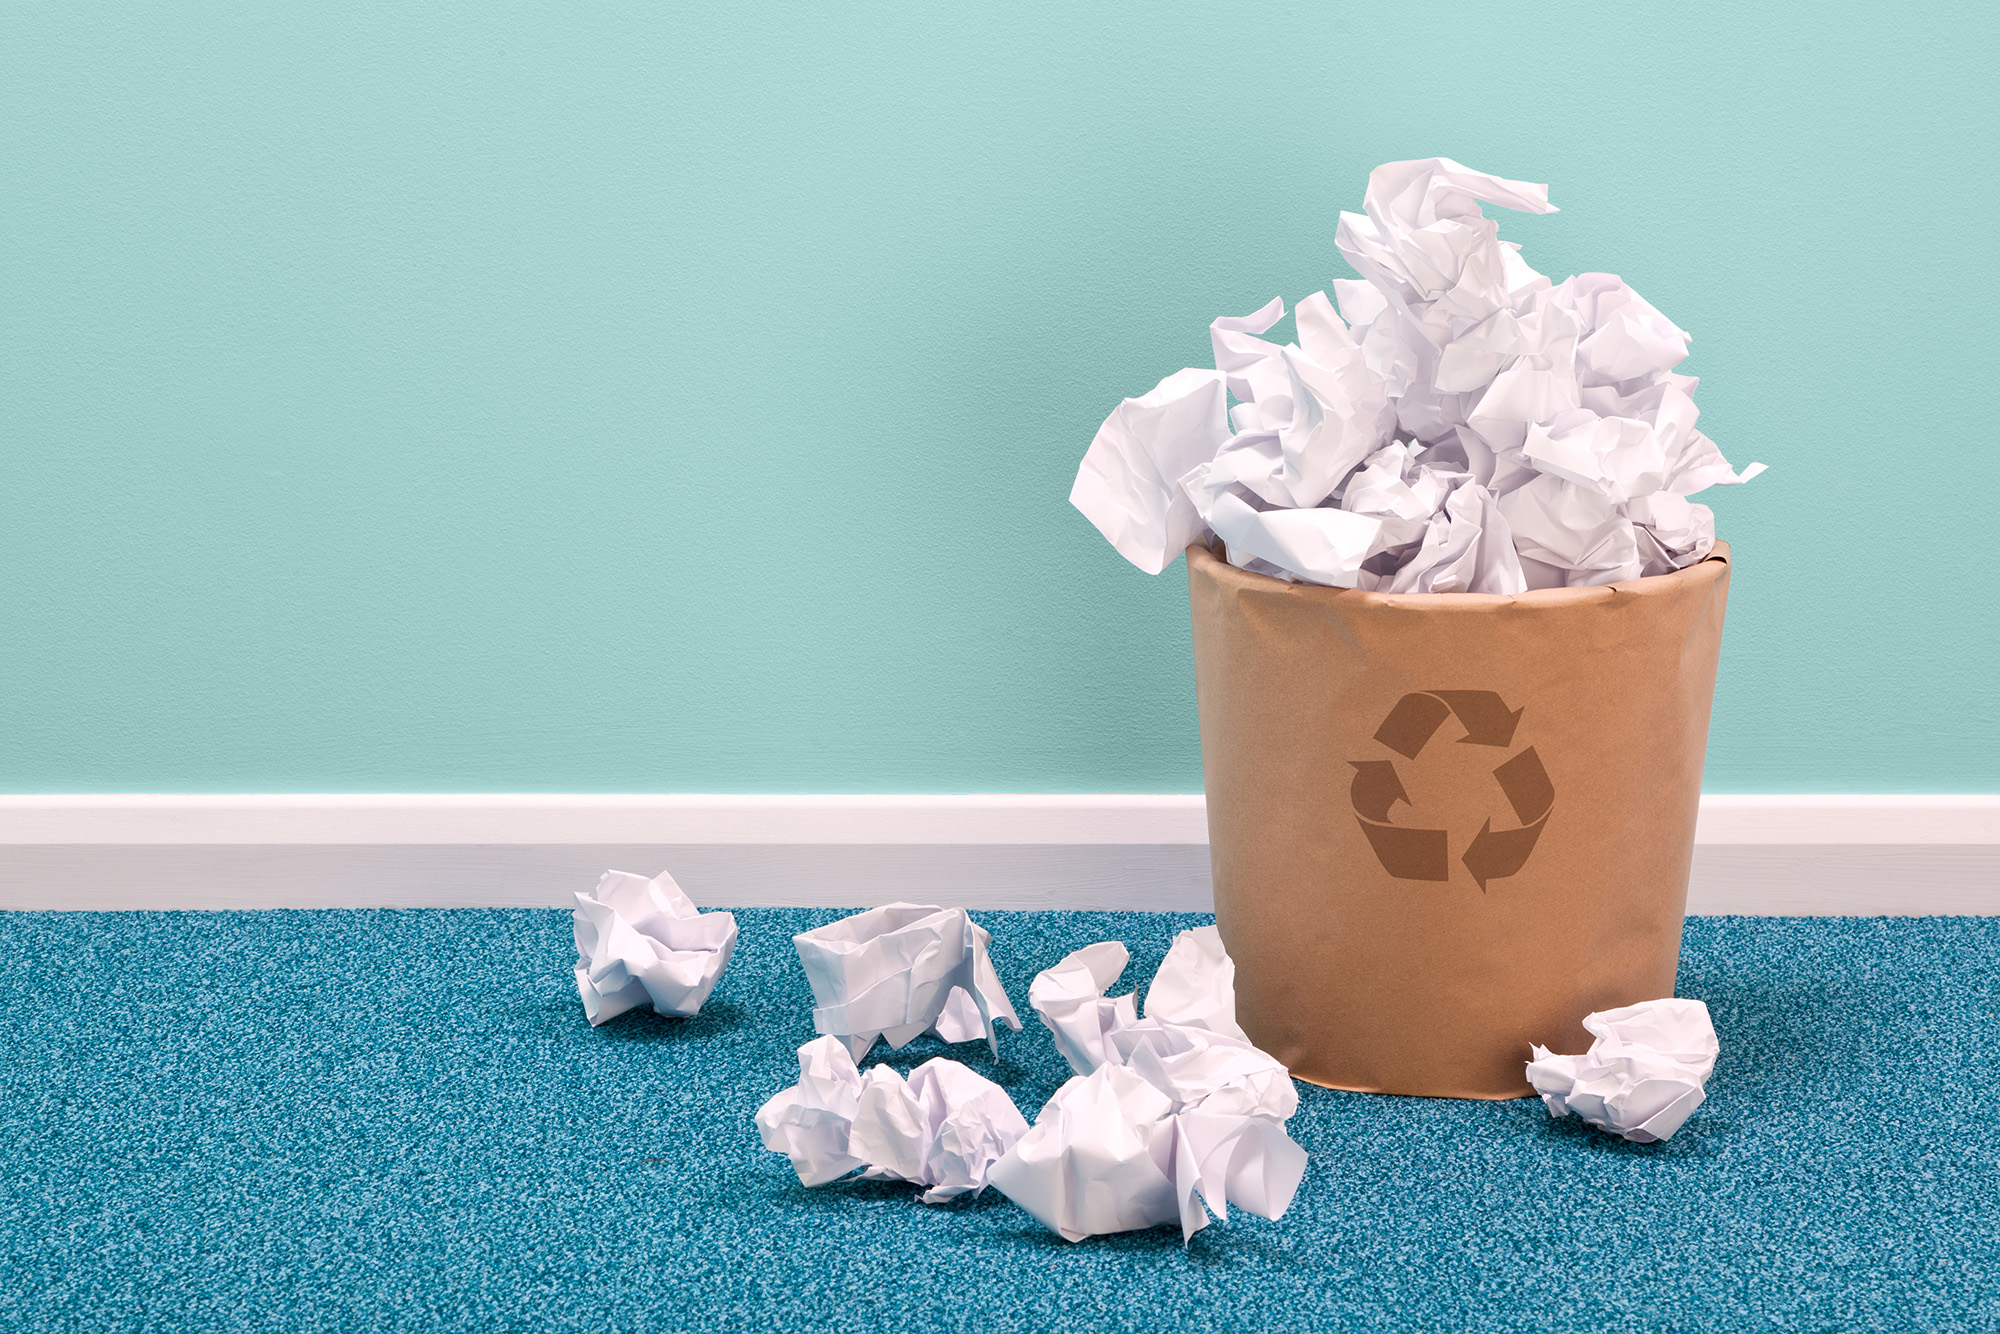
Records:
x=1763, y=855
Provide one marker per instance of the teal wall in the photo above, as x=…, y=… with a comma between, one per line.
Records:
x=591, y=397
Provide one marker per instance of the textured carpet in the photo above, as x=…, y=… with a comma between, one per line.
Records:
x=400, y=1120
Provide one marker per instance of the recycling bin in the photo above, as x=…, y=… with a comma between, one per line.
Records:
x=1446, y=826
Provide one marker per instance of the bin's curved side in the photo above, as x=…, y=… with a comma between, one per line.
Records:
x=1375, y=954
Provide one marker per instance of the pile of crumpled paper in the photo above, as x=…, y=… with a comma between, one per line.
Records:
x=1169, y=1118
x=1460, y=425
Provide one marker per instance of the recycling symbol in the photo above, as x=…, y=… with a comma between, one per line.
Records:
x=1425, y=854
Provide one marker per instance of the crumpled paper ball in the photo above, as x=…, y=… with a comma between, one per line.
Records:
x=942, y=1128
x=641, y=941
x=1644, y=1075
x=901, y=970
x=1166, y=1114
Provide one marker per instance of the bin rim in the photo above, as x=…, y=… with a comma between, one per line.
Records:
x=1212, y=564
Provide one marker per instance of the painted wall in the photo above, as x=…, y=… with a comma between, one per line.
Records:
x=634, y=397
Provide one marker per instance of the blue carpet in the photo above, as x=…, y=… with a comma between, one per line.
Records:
x=399, y=1120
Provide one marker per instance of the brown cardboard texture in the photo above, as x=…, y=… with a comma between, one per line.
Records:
x=1445, y=826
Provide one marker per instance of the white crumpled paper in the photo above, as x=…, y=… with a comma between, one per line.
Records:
x=1195, y=987
x=1166, y=1113
x=900, y=970
x=641, y=941
x=1642, y=1077
x=1460, y=425
x=942, y=1128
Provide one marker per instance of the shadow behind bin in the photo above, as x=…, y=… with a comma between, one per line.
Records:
x=1446, y=826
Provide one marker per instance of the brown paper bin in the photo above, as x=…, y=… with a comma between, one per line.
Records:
x=1446, y=826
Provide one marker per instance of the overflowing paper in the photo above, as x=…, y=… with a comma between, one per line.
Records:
x=1166, y=1114
x=641, y=941
x=1459, y=425
x=1643, y=1076
x=902, y=970
x=942, y=1128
